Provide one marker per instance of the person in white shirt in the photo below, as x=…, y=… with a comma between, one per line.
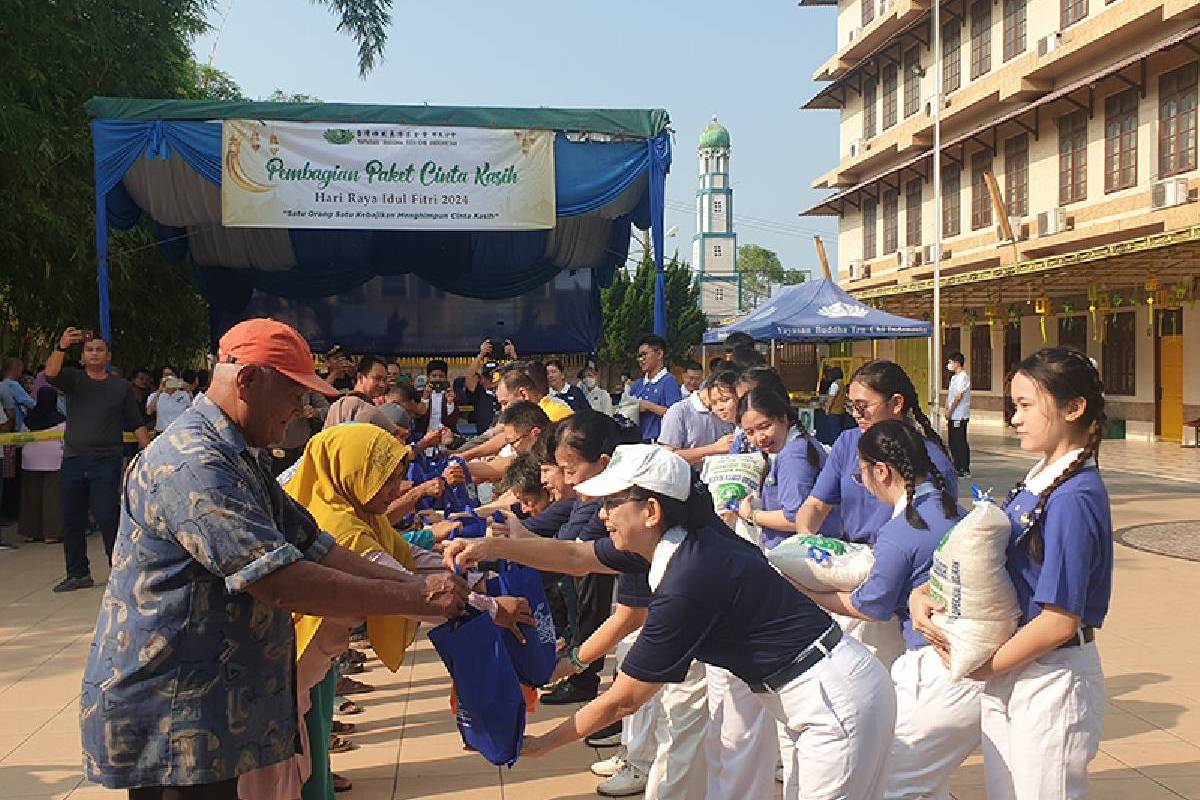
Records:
x=171, y=400
x=693, y=374
x=958, y=413
x=599, y=399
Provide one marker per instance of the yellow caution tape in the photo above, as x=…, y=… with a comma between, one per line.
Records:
x=30, y=437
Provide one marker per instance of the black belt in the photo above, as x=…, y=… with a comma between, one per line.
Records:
x=809, y=657
x=1085, y=635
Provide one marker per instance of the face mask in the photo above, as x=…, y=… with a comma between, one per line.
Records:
x=950, y=366
x=589, y=383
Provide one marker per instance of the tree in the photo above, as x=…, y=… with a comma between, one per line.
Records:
x=280, y=96
x=760, y=269
x=628, y=309
x=367, y=23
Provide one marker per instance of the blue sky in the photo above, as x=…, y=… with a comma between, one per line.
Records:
x=750, y=63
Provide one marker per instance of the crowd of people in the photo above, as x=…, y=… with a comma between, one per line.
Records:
x=276, y=532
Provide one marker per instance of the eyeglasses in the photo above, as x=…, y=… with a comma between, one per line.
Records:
x=614, y=501
x=859, y=408
x=857, y=477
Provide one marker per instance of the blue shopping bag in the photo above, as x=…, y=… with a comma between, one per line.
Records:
x=490, y=706
x=535, y=660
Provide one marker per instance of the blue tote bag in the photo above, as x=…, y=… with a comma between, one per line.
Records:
x=535, y=660
x=491, y=708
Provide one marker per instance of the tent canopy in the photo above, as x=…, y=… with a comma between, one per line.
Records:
x=819, y=311
x=375, y=288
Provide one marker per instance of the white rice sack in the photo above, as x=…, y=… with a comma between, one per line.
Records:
x=969, y=578
x=821, y=564
x=733, y=477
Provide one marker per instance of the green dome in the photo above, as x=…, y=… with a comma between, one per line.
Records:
x=714, y=136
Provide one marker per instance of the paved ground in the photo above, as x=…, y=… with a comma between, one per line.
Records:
x=409, y=749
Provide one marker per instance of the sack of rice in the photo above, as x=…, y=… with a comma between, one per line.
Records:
x=732, y=478
x=821, y=564
x=969, y=578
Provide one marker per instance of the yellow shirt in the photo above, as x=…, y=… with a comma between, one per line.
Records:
x=555, y=409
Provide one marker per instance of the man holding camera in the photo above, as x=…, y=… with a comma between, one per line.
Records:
x=166, y=404
x=437, y=399
x=101, y=407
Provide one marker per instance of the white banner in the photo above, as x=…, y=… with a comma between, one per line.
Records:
x=417, y=177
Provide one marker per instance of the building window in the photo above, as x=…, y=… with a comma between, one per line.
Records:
x=889, y=96
x=1016, y=175
x=951, y=56
x=868, y=12
x=951, y=201
x=951, y=343
x=1014, y=28
x=1120, y=141
x=912, y=213
x=1072, y=332
x=870, y=90
x=868, y=213
x=717, y=205
x=912, y=82
x=981, y=201
x=1072, y=11
x=1072, y=157
x=1177, y=121
x=1120, y=346
x=891, y=222
x=981, y=38
x=981, y=358
x=719, y=294
x=716, y=249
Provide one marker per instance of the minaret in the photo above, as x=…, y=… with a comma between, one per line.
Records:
x=714, y=250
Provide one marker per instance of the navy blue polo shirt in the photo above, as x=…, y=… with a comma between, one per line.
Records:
x=548, y=522
x=662, y=390
x=585, y=525
x=633, y=582
x=718, y=601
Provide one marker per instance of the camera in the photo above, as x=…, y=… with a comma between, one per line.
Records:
x=498, y=349
x=439, y=386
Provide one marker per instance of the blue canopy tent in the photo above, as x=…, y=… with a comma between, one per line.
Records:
x=396, y=291
x=819, y=311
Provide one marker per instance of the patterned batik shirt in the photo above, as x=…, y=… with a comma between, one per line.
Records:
x=189, y=679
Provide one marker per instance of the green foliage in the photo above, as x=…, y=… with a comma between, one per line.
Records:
x=760, y=268
x=367, y=22
x=628, y=307
x=280, y=96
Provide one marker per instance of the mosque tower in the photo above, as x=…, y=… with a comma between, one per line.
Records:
x=714, y=249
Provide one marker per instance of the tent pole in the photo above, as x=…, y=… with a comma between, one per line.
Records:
x=772, y=353
x=935, y=339
x=704, y=357
x=658, y=166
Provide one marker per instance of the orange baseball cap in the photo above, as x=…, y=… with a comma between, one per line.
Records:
x=267, y=343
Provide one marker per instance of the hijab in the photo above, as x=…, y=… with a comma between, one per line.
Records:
x=45, y=414
x=342, y=469
x=354, y=409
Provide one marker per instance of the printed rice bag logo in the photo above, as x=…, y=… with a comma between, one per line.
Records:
x=730, y=493
x=544, y=623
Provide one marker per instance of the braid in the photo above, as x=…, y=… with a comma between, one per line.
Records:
x=1035, y=544
x=812, y=454
x=927, y=428
x=899, y=459
x=949, y=501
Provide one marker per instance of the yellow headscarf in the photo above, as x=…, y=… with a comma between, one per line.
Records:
x=341, y=470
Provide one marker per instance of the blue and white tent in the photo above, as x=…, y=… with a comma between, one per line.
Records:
x=819, y=311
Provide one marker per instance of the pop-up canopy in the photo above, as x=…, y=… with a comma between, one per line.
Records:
x=819, y=311
x=526, y=209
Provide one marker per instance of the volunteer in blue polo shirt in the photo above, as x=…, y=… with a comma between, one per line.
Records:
x=657, y=389
x=702, y=423
x=716, y=599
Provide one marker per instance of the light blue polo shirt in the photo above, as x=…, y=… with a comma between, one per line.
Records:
x=689, y=423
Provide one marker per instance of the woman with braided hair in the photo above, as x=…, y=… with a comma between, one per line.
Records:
x=937, y=718
x=1043, y=700
x=879, y=390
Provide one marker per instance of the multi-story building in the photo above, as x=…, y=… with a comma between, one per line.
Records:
x=1069, y=184
x=714, y=248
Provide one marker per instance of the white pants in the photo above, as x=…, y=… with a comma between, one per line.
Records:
x=742, y=743
x=1042, y=725
x=665, y=738
x=883, y=639
x=937, y=726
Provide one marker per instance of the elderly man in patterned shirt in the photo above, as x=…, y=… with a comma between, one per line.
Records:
x=189, y=682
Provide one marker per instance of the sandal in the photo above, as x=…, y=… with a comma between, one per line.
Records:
x=350, y=686
x=339, y=745
x=340, y=784
x=348, y=707
x=342, y=727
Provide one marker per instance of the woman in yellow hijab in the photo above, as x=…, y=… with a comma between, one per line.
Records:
x=347, y=478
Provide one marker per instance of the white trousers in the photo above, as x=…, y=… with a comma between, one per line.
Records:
x=665, y=738
x=937, y=726
x=742, y=743
x=1042, y=725
x=839, y=715
x=883, y=639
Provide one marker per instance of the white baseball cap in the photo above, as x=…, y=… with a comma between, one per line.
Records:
x=646, y=466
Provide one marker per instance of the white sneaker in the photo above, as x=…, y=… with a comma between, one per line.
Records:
x=609, y=766
x=779, y=774
x=626, y=783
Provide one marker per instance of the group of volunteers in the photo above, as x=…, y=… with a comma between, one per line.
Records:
x=660, y=521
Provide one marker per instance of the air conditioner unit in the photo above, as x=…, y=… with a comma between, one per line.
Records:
x=884, y=7
x=858, y=147
x=859, y=270
x=1051, y=222
x=927, y=254
x=1049, y=43
x=929, y=106
x=1168, y=193
x=908, y=257
x=854, y=33
x=1020, y=230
